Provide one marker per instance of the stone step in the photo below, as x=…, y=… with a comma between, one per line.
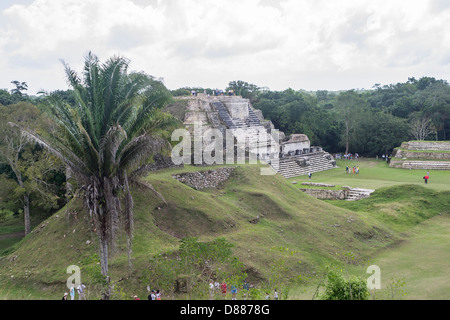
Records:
x=358, y=193
x=288, y=168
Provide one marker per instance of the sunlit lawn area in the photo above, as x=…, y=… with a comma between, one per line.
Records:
x=374, y=174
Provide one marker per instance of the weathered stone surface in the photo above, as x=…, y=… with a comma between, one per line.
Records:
x=238, y=108
x=205, y=179
x=326, y=194
x=318, y=184
x=346, y=193
x=426, y=155
x=426, y=145
x=410, y=154
x=424, y=165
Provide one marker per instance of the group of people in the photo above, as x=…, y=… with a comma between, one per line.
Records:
x=355, y=169
x=218, y=92
x=154, y=295
x=346, y=156
x=215, y=92
x=81, y=290
x=215, y=288
x=275, y=295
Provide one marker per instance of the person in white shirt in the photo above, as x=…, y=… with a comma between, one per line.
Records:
x=211, y=290
x=81, y=292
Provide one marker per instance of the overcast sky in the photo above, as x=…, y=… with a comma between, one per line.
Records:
x=299, y=44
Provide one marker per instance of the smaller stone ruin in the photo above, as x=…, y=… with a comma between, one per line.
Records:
x=199, y=180
x=426, y=155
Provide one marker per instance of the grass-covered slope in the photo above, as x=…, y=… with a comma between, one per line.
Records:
x=319, y=232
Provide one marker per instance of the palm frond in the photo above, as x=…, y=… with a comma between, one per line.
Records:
x=139, y=151
x=70, y=158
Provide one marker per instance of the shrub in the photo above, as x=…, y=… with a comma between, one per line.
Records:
x=339, y=288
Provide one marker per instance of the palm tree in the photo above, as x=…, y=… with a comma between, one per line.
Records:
x=106, y=139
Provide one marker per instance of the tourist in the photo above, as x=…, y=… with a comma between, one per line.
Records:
x=72, y=293
x=211, y=290
x=152, y=295
x=246, y=287
x=224, y=289
x=357, y=170
x=136, y=298
x=233, y=292
x=81, y=292
x=267, y=296
x=158, y=295
x=275, y=295
x=309, y=175
x=216, y=286
x=346, y=169
x=426, y=179
x=65, y=296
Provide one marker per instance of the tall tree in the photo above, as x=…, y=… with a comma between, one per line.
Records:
x=20, y=87
x=28, y=164
x=421, y=128
x=106, y=138
x=350, y=107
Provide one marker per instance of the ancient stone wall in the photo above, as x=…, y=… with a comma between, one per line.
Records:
x=410, y=154
x=238, y=109
x=205, y=179
x=426, y=145
x=326, y=194
x=429, y=155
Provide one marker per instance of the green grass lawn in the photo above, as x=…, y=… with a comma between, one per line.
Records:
x=375, y=174
x=421, y=261
x=414, y=269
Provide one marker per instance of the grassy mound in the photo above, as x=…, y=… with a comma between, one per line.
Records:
x=255, y=213
x=401, y=207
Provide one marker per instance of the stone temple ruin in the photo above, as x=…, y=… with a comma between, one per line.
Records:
x=288, y=155
x=428, y=155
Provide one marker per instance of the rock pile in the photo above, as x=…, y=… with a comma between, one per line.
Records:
x=205, y=179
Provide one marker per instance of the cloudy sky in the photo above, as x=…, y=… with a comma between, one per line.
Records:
x=301, y=44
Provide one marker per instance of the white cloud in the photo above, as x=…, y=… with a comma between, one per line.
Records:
x=310, y=44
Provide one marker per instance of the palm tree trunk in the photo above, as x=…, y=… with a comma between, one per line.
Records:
x=103, y=244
